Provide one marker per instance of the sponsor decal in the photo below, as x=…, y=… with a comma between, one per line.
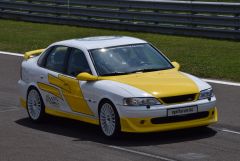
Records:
x=52, y=100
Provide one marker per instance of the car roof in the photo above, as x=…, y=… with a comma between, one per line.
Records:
x=100, y=42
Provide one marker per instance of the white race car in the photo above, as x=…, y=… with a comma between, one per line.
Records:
x=119, y=83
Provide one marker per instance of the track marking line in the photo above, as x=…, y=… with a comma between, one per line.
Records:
x=13, y=54
x=207, y=80
x=226, y=130
x=230, y=131
x=222, y=82
x=141, y=153
x=14, y=109
x=193, y=156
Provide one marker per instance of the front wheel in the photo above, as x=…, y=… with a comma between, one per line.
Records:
x=35, y=105
x=109, y=119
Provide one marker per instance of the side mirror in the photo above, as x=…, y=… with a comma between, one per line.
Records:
x=176, y=65
x=86, y=77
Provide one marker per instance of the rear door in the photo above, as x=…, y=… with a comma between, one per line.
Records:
x=58, y=84
x=53, y=63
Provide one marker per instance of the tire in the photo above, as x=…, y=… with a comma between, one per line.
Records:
x=35, y=105
x=109, y=119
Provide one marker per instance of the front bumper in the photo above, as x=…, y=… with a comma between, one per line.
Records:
x=137, y=125
x=141, y=120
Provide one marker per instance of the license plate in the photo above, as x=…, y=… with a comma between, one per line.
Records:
x=182, y=111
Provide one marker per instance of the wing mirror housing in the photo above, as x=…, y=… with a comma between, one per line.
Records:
x=86, y=77
x=176, y=65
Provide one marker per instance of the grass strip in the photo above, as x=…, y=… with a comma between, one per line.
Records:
x=208, y=58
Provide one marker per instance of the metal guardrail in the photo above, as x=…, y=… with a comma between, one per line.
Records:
x=205, y=19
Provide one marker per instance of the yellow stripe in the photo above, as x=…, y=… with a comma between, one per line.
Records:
x=23, y=102
x=50, y=89
x=71, y=116
x=74, y=97
x=58, y=82
x=72, y=93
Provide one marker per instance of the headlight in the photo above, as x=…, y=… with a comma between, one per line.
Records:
x=140, y=101
x=206, y=94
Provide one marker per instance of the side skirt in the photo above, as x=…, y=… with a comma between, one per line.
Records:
x=71, y=116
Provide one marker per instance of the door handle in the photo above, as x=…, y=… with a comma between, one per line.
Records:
x=41, y=76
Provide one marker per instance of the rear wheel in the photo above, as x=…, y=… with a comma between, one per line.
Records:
x=35, y=105
x=109, y=119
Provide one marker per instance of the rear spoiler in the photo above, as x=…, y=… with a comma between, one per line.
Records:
x=32, y=53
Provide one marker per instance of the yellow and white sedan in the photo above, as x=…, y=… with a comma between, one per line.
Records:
x=119, y=83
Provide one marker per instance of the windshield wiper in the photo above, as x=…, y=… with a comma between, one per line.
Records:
x=148, y=70
x=135, y=71
x=114, y=73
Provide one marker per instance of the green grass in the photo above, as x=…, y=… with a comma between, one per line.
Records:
x=219, y=59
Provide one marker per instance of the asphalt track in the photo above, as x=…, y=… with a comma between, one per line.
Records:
x=61, y=139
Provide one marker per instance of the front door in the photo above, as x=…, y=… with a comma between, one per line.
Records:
x=72, y=92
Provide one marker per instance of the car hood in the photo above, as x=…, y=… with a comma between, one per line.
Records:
x=160, y=83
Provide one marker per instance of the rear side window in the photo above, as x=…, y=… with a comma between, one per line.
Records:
x=56, y=59
x=43, y=56
x=77, y=63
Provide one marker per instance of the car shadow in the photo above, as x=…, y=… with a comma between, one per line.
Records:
x=80, y=131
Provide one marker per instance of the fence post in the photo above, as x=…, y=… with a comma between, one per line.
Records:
x=192, y=14
x=89, y=6
x=68, y=6
x=29, y=1
x=56, y=8
x=237, y=16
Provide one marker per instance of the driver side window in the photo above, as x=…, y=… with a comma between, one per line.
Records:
x=77, y=63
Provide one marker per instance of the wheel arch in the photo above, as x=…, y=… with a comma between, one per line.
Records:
x=32, y=87
x=41, y=116
x=117, y=117
x=105, y=99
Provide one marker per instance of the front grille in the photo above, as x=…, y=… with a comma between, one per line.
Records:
x=187, y=117
x=179, y=99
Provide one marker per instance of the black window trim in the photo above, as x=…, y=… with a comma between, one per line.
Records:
x=43, y=56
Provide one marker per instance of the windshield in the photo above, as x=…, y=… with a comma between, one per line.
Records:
x=128, y=59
